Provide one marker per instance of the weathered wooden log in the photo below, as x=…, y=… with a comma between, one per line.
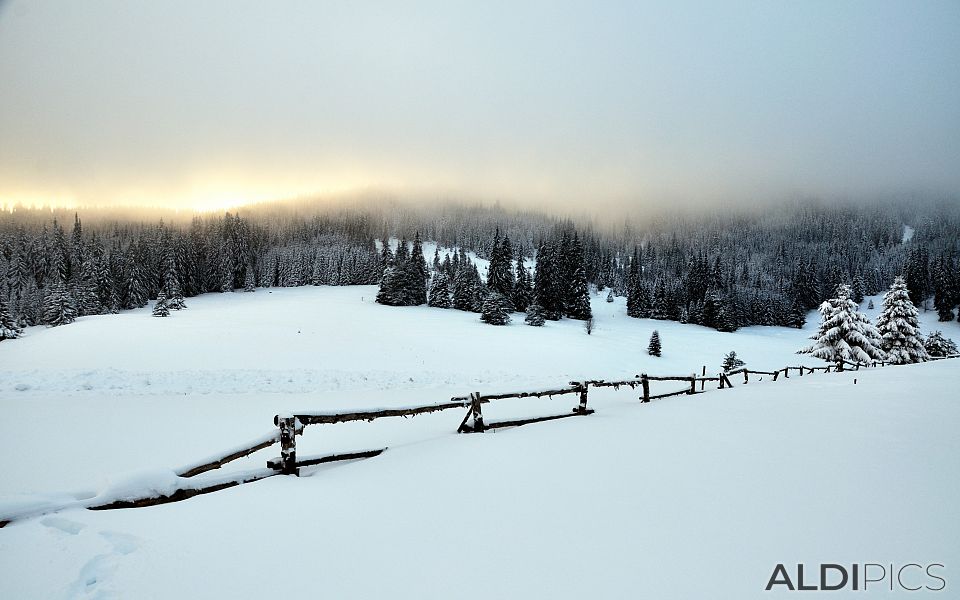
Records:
x=464, y=428
x=325, y=418
x=477, y=412
x=288, y=445
x=667, y=378
x=667, y=395
x=519, y=422
x=181, y=494
x=582, y=407
x=277, y=463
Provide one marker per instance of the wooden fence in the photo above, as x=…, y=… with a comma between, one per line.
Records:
x=290, y=425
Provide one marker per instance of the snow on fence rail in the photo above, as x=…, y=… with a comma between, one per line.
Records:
x=290, y=425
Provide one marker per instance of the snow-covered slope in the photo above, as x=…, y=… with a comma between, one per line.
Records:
x=685, y=497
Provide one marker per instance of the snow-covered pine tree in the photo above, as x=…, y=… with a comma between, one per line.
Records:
x=535, y=315
x=439, y=291
x=496, y=309
x=870, y=305
x=58, y=306
x=463, y=290
x=136, y=288
x=845, y=334
x=522, y=290
x=8, y=327
x=85, y=292
x=173, y=293
x=390, y=287
x=654, y=348
x=937, y=345
x=899, y=326
x=500, y=273
x=731, y=362
x=548, y=286
x=419, y=262
x=160, y=308
x=610, y=296
x=639, y=301
x=577, y=301
x=249, y=283
x=859, y=288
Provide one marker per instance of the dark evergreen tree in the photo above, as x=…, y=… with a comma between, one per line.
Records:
x=500, y=273
x=939, y=346
x=439, y=291
x=249, y=283
x=496, y=309
x=535, y=315
x=160, y=308
x=522, y=290
x=58, y=306
x=610, y=296
x=577, y=300
x=8, y=327
x=548, y=287
x=654, y=348
x=731, y=362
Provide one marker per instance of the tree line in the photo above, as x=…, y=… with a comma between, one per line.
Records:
x=720, y=269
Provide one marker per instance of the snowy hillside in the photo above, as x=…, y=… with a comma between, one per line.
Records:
x=681, y=498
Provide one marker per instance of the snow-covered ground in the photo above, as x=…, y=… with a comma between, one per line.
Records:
x=685, y=497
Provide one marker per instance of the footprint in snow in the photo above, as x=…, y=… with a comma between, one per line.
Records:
x=93, y=581
x=60, y=524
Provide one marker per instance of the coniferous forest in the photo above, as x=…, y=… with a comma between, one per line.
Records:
x=724, y=270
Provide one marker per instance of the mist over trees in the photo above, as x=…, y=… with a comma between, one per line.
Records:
x=721, y=270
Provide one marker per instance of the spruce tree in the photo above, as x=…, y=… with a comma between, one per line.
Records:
x=937, y=345
x=496, y=309
x=249, y=284
x=391, y=287
x=654, y=348
x=731, y=362
x=439, y=291
x=160, y=308
x=898, y=325
x=859, y=288
x=548, y=286
x=610, y=296
x=845, y=334
x=522, y=290
x=419, y=262
x=173, y=293
x=58, y=306
x=535, y=315
x=8, y=327
x=500, y=274
x=577, y=301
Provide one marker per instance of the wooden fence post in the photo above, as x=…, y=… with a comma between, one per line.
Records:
x=746, y=376
x=582, y=409
x=288, y=445
x=703, y=374
x=693, y=384
x=786, y=372
x=477, y=413
x=645, y=383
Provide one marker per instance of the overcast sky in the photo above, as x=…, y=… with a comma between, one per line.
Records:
x=209, y=103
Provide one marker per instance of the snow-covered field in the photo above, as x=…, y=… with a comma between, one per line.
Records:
x=688, y=497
